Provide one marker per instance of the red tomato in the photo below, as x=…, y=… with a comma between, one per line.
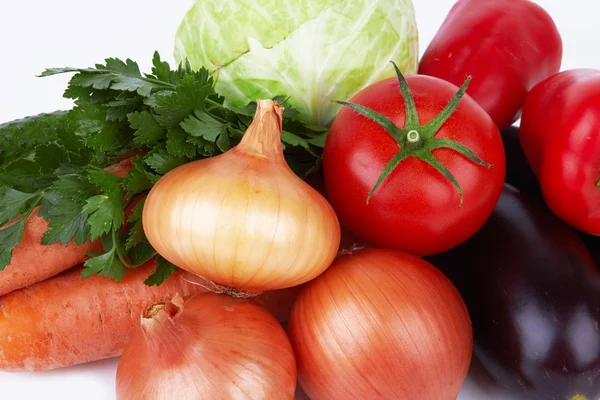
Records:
x=416, y=209
x=507, y=46
x=560, y=136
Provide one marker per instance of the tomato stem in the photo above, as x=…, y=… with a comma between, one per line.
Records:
x=413, y=136
x=416, y=140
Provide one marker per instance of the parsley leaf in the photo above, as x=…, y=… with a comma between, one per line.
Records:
x=118, y=110
x=106, y=264
x=127, y=76
x=73, y=187
x=162, y=70
x=163, y=270
x=204, y=125
x=10, y=236
x=91, y=123
x=178, y=145
x=293, y=140
x=116, y=75
x=136, y=232
x=66, y=220
x=139, y=179
x=162, y=161
x=103, y=179
x=67, y=225
x=46, y=203
x=104, y=212
x=13, y=203
x=204, y=148
x=223, y=142
x=79, y=154
x=191, y=94
x=9, y=239
x=147, y=130
x=141, y=253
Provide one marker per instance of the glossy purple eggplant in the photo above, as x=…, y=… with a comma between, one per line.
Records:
x=518, y=172
x=533, y=293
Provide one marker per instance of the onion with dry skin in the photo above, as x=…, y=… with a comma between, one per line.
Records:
x=380, y=324
x=210, y=347
x=243, y=219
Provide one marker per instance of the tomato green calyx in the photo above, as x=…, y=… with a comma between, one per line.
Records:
x=416, y=140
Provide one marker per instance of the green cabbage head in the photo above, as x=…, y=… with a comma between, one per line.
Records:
x=313, y=51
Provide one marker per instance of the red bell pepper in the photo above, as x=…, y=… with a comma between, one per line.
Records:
x=507, y=46
x=560, y=136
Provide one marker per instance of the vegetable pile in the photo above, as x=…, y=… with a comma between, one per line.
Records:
x=155, y=121
x=295, y=204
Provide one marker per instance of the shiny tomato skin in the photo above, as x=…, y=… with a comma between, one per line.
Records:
x=416, y=209
x=560, y=136
x=507, y=46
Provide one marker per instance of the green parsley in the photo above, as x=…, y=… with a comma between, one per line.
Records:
x=163, y=119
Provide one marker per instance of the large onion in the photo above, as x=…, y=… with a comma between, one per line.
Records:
x=379, y=324
x=243, y=219
x=210, y=347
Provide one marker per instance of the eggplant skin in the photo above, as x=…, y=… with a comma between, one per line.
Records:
x=518, y=172
x=533, y=293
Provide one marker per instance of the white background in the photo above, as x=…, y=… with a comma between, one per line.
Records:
x=36, y=34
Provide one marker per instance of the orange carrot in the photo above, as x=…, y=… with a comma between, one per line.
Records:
x=34, y=262
x=67, y=320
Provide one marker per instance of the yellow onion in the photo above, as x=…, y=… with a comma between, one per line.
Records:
x=243, y=219
x=380, y=324
x=211, y=347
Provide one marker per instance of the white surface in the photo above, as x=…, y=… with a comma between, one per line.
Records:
x=36, y=34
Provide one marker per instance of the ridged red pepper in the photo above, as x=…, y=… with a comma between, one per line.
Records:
x=560, y=136
x=507, y=46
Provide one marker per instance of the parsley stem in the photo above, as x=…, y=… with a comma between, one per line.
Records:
x=129, y=199
x=156, y=82
x=214, y=103
x=222, y=120
x=40, y=195
x=219, y=106
x=119, y=250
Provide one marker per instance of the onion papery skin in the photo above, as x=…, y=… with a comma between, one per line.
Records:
x=243, y=219
x=380, y=324
x=210, y=347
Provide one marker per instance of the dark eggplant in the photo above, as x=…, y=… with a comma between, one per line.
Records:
x=533, y=293
x=593, y=245
x=518, y=172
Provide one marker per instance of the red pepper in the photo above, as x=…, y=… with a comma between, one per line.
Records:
x=507, y=46
x=560, y=136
